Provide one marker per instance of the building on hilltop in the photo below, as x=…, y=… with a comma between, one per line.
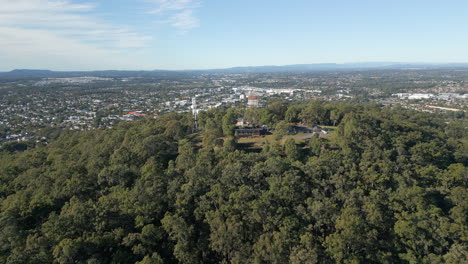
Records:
x=250, y=131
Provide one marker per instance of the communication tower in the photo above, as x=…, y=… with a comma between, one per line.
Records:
x=195, y=114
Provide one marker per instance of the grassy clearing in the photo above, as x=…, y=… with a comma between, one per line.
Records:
x=329, y=127
x=256, y=139
x=257, y=142
x=300, y=138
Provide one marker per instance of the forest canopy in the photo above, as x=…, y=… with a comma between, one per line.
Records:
x=386, y=186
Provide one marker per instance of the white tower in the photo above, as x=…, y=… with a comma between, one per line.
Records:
x=252, y=100
x=195, y=113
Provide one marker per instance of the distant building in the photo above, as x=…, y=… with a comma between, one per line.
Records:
x=136, y=114
x=444, y=108
x=252, y=100
x=418, y=96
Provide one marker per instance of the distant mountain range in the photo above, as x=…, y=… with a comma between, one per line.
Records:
x=249, y=69
x=338, y=67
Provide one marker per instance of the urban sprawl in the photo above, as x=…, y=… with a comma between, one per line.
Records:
x=90, y=102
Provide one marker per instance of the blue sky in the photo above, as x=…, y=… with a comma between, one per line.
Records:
x=203, y=34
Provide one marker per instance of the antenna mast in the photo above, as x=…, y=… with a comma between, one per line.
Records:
x=195, y=114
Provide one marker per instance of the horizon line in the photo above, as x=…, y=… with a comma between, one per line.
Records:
x=389, y=63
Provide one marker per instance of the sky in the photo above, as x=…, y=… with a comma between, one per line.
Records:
x=207, y=34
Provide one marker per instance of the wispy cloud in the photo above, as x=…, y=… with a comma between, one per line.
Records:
x=184, y=21
x=43, y=5
x=178, y=13
x=66, y=19
x=53, y=33
x=38, y=48
x=60, y=30
x=162, y=6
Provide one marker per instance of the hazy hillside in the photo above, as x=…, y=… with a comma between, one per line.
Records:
x=318, y=67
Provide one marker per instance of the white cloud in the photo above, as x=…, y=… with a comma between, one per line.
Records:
x=184, y=20
x=67, y=20
x=65, y=34
x=36, y=48
x=177, y=13
x=42, y=5
x=172, y=5
x=62, y=32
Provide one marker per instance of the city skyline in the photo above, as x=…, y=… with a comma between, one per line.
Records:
x=207, y=34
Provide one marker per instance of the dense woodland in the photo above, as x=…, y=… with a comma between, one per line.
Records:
x=390, y=186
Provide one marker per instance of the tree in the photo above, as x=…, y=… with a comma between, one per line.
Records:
x=186, y=158
x=212, y=133
x=353, y=241
x=277, y=109
x=306, y=252
x=292, y=114
x=229, y=121
x=291, y=150
x=266, y=118
x=335, y=115
x=281, y=130
x=174, y=129
x=315, y=144
x=151, y=259
x=252, y=114
x=229, y=144
x=388, y=189
x=314, y=113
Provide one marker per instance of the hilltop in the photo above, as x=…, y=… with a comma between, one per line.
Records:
x=388, y=187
